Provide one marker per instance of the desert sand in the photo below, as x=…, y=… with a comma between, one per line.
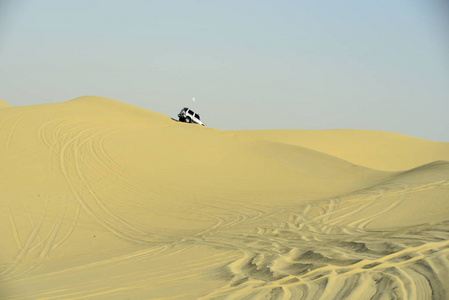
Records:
x=104, y=200
x=3, y=103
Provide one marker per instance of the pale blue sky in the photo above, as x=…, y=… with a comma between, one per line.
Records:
x=381, y=65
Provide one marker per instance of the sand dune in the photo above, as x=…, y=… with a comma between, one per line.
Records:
x=3, y=103
x=104, y=200
x=373, y=149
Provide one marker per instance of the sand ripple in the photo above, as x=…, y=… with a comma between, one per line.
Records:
x=319, y=254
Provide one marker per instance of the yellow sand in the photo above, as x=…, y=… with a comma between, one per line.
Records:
x=104, y=200
x=373, y=149
x=3, y=103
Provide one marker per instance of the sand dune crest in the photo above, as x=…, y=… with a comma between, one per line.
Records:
x=370, y=148
x=3, y=103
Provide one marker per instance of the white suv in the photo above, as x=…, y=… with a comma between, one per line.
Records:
x=189, y=116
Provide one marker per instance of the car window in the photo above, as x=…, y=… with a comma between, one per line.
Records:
x=197, y=116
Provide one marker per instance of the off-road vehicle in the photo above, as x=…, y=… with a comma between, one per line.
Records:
x=189, y=116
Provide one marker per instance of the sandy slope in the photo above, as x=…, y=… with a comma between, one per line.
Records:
x=3, y=103
x=100, y=199
x=373, y=149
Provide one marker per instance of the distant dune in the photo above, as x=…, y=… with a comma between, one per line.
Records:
x=105, y=200
x=373, y=149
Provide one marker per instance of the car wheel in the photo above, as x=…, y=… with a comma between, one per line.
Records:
x=188, y=120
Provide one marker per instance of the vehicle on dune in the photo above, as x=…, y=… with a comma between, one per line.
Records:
x=189, y=116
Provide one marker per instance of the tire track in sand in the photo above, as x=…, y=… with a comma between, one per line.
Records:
x=313, y=256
